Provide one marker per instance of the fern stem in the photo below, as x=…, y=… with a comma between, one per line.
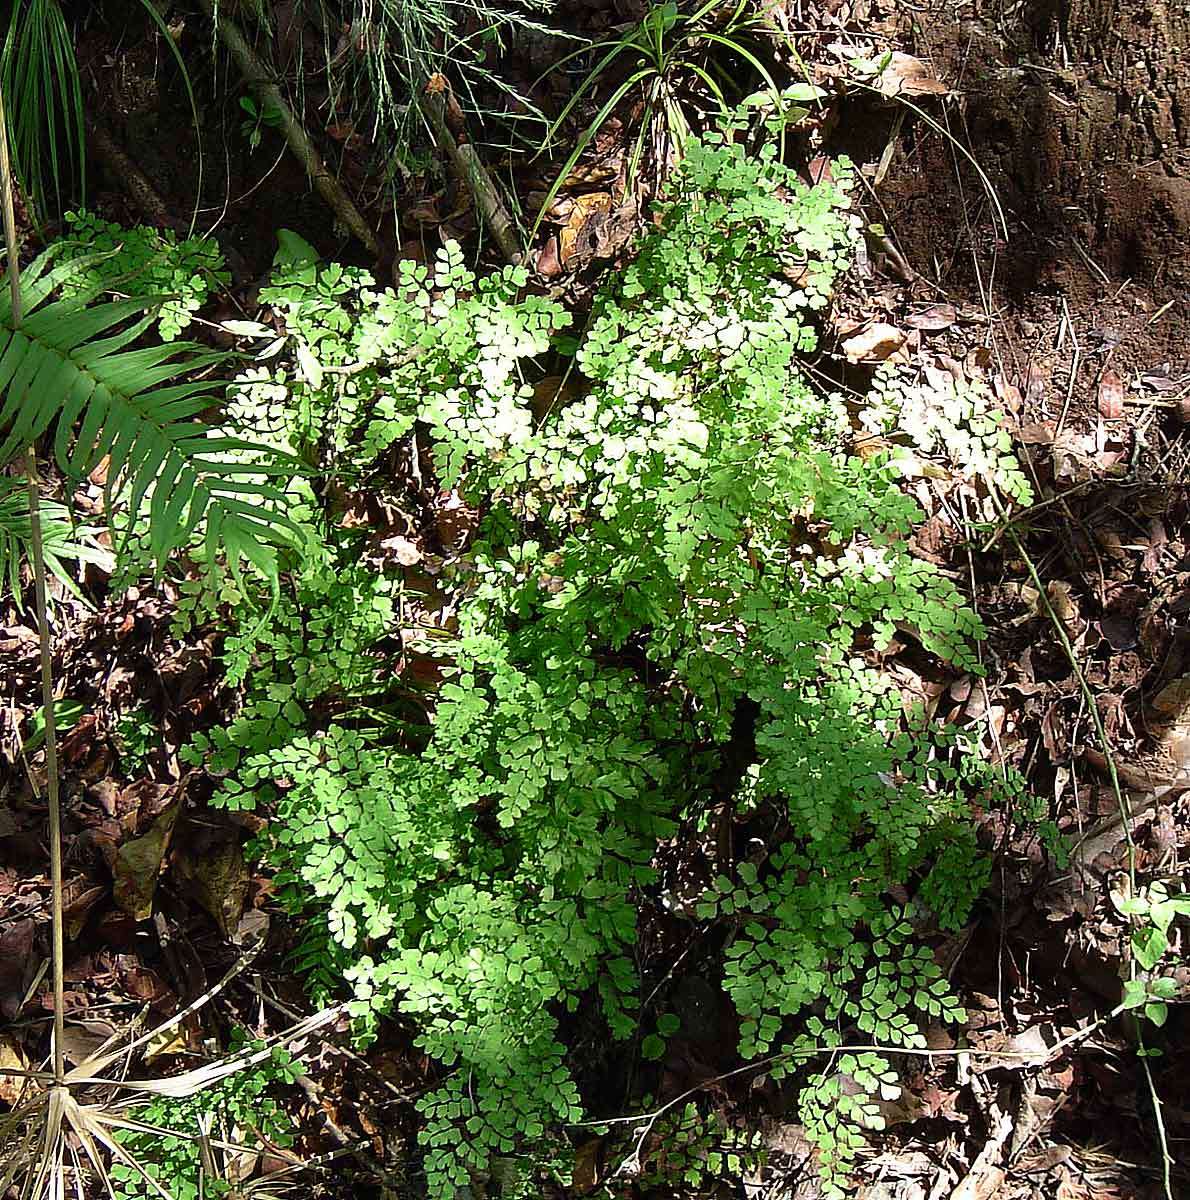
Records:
x=53, y=791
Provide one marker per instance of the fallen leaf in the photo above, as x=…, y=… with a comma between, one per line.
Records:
x=1111, y=396
x=905, y=75
x=83, y=1040
x=79, y=898
x=932, y=319
x=1173, y=700
x=586, y=1173
x=425, y=212
x=17, y=967
x=589, y=208
x=1008, y=394
x=12, y=1058
x=1040, y=433
x=1037, y=379
x=217, y=877
x=1061, y=600
x=403, y=550
x=173, y=1039
x=874, y=343
x=144, y=801
x=139, y=981
x=138, y=864
x=548, y=263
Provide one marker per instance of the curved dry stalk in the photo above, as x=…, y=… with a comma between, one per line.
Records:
x=38, y=1133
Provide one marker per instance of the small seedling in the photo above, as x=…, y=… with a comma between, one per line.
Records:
x=260, y=117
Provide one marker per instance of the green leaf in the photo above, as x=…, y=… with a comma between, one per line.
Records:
x=652, y=1047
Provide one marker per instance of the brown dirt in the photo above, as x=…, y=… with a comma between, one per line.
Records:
x=1078, y=112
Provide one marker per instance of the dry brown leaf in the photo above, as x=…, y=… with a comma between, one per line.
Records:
x=932, y=319
x=549, y=265
x=906, y=75
x=873, y=343
x=1008, y=394
x=81, y=1040
x=17, y=966
x=1040, y=433
x=1111, y=396
x=1061, y=600
x=78, y=900
x=588, y=208
x=12, y=1058
x=138, y=864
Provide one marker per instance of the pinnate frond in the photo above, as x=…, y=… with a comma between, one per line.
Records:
x=73, y=367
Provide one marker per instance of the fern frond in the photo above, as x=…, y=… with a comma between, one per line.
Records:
x=60, y=540
x=72, y=367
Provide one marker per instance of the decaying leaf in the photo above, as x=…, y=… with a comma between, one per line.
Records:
x=12, y=1058
x=933, y=319
x=138, y=864
x=83, y=1040
x=218, y=879
x=17, y=967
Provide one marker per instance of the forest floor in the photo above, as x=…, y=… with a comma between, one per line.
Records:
x=1061, y=270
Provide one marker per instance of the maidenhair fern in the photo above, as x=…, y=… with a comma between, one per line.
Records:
x=143, y=261
x=679, y=569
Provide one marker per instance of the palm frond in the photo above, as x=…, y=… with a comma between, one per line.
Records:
x=71, y=367
x=40, y=77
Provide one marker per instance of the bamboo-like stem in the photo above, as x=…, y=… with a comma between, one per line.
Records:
x=37, y=548
x=53, y=791
x=265, y=88
x=466, y=163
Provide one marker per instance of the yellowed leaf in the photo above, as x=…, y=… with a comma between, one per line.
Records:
x=167, y=1041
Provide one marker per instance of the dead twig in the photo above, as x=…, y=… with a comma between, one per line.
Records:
x=141, y=192
x=257, y=77
x=465, y=162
